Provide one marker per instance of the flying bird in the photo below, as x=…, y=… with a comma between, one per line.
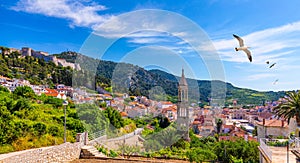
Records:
x=272, y=65
x=243, y=47
x=275, y=82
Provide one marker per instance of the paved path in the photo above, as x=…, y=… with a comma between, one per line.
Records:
x=279, y=155
x=130, y=141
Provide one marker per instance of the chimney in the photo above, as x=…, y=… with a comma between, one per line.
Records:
x=282, y=123
x=264, y=121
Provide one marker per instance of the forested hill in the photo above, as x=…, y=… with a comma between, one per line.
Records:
x=121, y=77
x=138, y=81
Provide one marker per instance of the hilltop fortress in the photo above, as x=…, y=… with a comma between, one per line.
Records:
x=26, y=51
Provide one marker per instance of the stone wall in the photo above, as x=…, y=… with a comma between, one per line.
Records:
x=60, y=153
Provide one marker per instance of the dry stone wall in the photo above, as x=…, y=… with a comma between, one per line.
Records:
x=60, y=153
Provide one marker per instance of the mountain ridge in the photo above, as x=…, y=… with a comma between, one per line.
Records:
x=108, y=76
x=140, y=82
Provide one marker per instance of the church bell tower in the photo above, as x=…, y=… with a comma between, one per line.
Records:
x=182, y=108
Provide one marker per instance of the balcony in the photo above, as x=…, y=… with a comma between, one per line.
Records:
x=276, y=150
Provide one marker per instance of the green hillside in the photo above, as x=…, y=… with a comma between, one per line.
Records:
x=123, y=78
x=142, y=81
x=30, y=121
x=35, y=70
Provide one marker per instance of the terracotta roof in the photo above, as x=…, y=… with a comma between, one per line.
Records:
x=51, y=91
x=205, y=111
x=123, y=114
x=166, y=103
x=196, y=122
x=3, y=77
x=227, y=126
x=133, y=103
x=206, y=127
x=240, y=134
x=274, y=123
x=170, y=108
x=237, y=131
x=51, y=94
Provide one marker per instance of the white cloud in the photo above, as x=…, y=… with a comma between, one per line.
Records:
x=147, y=40
x=80, y=13
x=147, y=34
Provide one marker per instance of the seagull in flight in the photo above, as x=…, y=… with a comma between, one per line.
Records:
x=275, y=82
x=272, y=65
x=243, y=47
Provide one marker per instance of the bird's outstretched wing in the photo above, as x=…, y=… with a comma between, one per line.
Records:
x=272, y=65
x=241, y=41
x=248, y=54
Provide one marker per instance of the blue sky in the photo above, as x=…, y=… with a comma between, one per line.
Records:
x=166, y=39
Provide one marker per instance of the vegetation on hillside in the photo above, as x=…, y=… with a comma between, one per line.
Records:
x=205, y=149
x=35, y=70
x=107, y=76
x=209, y=149
x=29, y=121
x=159, y=85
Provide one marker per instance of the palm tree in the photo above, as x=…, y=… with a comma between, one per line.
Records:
x=290, y=107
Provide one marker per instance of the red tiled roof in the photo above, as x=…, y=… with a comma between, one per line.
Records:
x=3, y=77
x=51, y=94
x=173, y=109
x=274, y=123
x=51, y=91
x=166, y=103
x=196, y=122
x=123, y=114
x=227, y=126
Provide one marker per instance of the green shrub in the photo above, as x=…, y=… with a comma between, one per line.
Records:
x=6, y=148
x=280, y=137
x=113, y=153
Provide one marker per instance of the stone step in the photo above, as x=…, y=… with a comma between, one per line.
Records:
x=100, y=155
x=91, y=151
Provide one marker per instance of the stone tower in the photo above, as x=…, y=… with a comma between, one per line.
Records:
x=182, y=108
